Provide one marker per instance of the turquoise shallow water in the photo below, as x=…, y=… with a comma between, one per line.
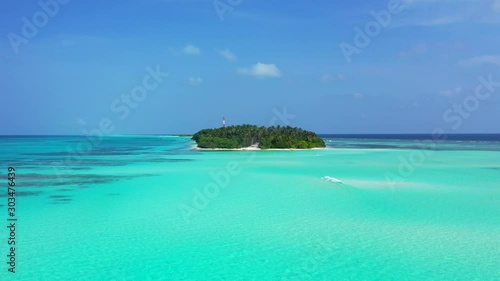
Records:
x=150, y=208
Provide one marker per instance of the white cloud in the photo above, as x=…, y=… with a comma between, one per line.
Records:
x=496, y=6
x=81, y=40
x=446, y=93
x=447, y=12
x=67, y=42
x=327, y=78
x=481, y=60
x=80, y=121
x=439, y=21
x=358, y=96
x=438, y=12
x=410, y=3
x=419, y=49
x=416, y=50
x=194, y=81
x=442, y=20
x=330, y=78
x=228, y=55
x=261, y=70
x=451, y=92
x=416, y=3
x=191, y=50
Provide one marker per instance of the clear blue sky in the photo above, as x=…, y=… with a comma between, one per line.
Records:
x=247, y=63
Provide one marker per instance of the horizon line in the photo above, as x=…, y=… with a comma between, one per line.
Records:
x=190, y=134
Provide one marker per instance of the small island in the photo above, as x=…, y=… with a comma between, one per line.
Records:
x=251, y=136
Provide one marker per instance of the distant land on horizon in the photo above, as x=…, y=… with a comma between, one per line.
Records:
x=255, y=137
x=376, y=135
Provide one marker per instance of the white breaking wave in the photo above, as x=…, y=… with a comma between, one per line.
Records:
x=332, y=179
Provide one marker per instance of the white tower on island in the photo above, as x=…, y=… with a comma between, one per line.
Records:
x=223, y=122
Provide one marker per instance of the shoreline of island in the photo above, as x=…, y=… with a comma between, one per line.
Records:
x=255, y=148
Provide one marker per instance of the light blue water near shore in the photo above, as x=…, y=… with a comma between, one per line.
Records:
x=150, y=208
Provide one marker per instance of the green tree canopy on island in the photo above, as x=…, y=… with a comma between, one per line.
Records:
x=267, y=138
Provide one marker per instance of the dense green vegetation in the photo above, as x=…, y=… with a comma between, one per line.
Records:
x=267, y=138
